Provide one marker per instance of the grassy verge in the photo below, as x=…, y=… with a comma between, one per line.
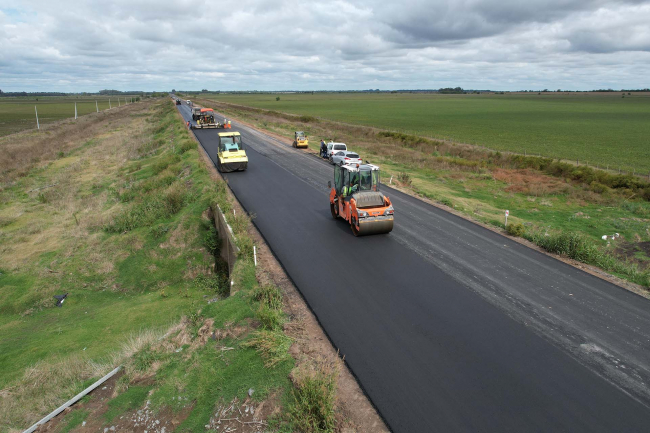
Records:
x=554, y=203
x=138, y=266
x=59, y=235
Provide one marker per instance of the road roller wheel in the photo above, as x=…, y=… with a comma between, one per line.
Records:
x=353, y=225
x=335, y=214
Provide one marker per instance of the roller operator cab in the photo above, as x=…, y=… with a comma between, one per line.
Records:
x=300, y=140
x=356, y=198
x=231, y=153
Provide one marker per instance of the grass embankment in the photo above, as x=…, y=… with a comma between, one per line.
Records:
x=562, y=208
x=595, y=128
x=124, y=231
x=18, y=114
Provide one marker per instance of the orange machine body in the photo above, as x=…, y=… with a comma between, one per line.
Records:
x=355, y=197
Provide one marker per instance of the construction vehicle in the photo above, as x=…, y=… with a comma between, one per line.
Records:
x=231, y=155
x=300, y=140
x=356, y=198
x=205, y=119
x=196, y=112
x=178, y=102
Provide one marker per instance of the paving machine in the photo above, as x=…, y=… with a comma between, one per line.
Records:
x=356, y=198
x=300, y=140
x=231, y=155
x=205, y=119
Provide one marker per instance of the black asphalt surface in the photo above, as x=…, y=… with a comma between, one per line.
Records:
x=450, y=327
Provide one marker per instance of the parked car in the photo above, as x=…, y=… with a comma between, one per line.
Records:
x=345, y=157
x=335, y=147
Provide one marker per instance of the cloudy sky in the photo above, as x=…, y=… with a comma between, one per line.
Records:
x=59, y=45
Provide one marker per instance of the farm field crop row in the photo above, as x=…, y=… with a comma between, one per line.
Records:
x=18, y=114
x=595, y=128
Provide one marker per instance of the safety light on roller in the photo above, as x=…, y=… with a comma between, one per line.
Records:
x=363, y=214
x=389, y=211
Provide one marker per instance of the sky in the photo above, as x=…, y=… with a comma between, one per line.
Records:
x=75, y=45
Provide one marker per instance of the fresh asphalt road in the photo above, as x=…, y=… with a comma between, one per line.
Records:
x=449, y=326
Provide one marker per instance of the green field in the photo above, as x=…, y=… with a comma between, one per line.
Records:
x=599, y=129
x=18, y=114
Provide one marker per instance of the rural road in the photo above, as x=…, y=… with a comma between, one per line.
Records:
x=450, y=327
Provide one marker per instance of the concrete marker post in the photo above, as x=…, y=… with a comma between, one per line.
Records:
x=507, y=213
x=75, y=111
x=38, y=126
x=255, y=255
x=96, y=106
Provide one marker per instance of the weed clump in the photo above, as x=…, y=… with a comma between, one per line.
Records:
x=312, y=399
x=270, y=318
x=516, y=229
x=404, y=178
x=273, y=346
x=270, y=296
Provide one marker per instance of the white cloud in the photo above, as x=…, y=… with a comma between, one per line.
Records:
x=270, y=44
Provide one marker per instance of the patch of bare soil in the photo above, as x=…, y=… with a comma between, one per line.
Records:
x=246, y=416
x=629, y=251
x=529, y=182
x=96, y=406
x=355, y=412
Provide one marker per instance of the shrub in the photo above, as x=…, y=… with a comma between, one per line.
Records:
x=404, y=178
x=174, y=199
x=516, y=229
x=598, y=187
x=270, y=296
x=308, y=119
x=312, y=400
x=269, y=318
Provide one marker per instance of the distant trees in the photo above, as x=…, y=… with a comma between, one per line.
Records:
x=451, y=90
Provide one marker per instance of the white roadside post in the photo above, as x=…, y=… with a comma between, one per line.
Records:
x=96, y=106
x=38, y=126
x=75, y=111
x=109, y=103
x=119, y=104
x=507, y=213
x=255, y=255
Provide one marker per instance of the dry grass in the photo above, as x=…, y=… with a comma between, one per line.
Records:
x=63, y=211
x=46, y=384
x=21, y=152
